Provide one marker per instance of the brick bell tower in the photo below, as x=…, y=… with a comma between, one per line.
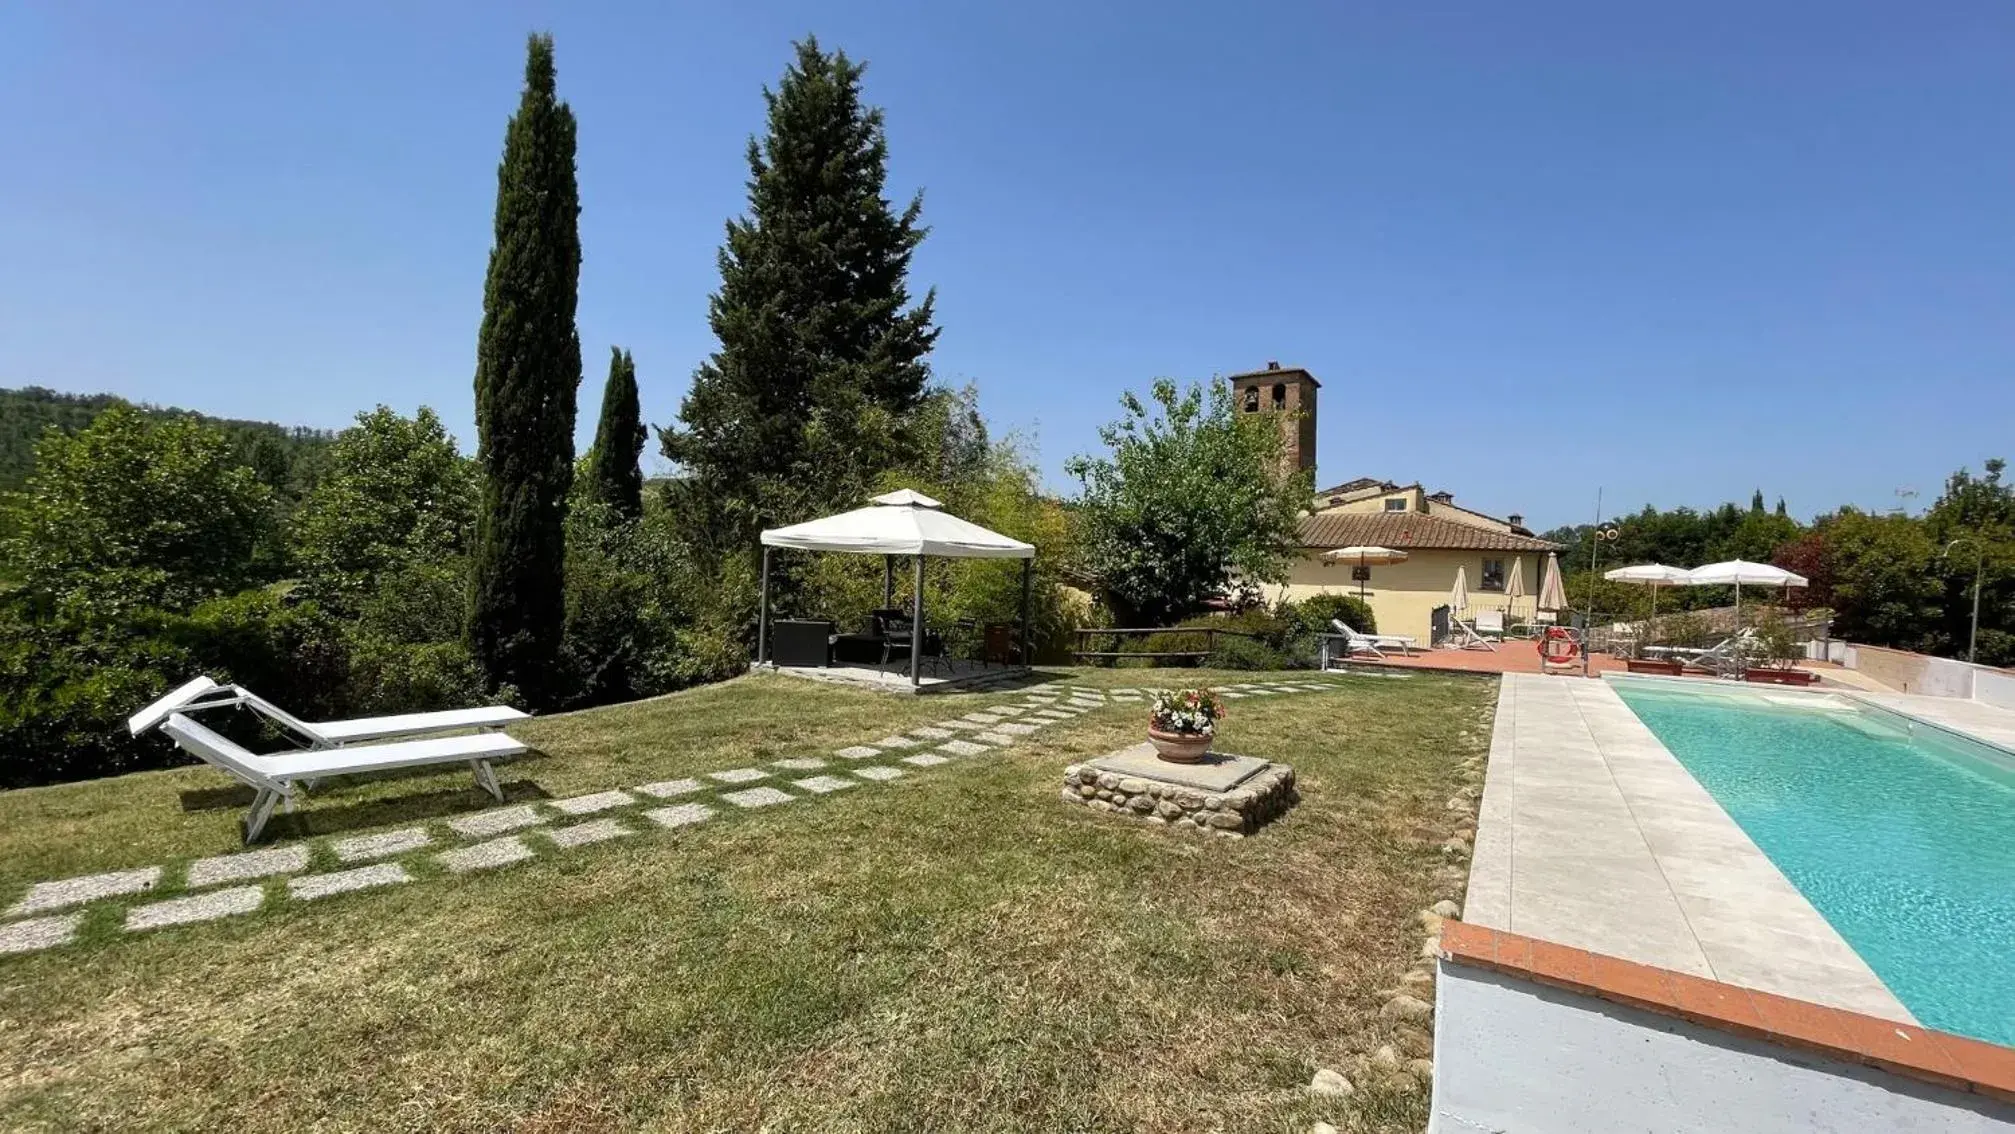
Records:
x=1290, y=392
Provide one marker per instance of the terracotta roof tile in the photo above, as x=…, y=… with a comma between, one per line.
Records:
x=1409, y=531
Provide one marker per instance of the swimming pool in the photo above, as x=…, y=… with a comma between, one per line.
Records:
x=1900, y=834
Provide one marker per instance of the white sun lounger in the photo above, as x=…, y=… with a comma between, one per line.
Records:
x=1373, y=644
x=203, y=693
x=274, y=777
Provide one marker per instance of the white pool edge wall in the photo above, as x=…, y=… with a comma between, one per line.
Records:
x=1520, y=1057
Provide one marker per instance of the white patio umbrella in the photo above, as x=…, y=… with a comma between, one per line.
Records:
x=1552, y=596
x=1367, y=556
x=1739, y=572
x=1653, y=575
x=1458, y=599
x=1514, y=587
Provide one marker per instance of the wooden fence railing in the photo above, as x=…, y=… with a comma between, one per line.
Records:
x=1086, y=639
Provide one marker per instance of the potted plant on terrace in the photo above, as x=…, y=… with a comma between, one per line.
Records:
x=1182, y=724
x=1777, y=652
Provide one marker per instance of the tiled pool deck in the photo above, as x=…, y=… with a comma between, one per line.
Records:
x=1592, y=835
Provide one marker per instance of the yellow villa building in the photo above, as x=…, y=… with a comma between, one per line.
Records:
x=1437, y=534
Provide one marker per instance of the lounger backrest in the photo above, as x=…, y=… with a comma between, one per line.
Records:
x=1346, y=631
x=217, y=750
x=281, y=716
x=158, y=711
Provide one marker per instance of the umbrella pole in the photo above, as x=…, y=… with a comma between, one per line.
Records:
x=763, y=613
x=917, y=628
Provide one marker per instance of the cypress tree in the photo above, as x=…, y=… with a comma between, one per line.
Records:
x=614, y=476
x=822, y=356
x=528, y=371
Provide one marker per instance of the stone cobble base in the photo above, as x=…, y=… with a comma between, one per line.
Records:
x=1233, y=814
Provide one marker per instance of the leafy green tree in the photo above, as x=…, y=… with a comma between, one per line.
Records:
x=138, y=511
x=822, y=355
x=396, y=492
x=615, y=479
x=1190, y=499
x=1880, y=571
x=528, y=371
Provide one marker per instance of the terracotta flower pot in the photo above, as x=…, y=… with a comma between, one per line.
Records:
x=1179, y=747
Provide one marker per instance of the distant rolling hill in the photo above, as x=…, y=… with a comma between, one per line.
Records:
x=285, y=457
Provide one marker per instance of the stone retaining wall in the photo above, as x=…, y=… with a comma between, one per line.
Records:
x=1233, y=814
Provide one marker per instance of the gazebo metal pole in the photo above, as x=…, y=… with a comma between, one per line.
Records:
x=888, y=581
x=763, y=614
x=917, y=626
x=1027, y=565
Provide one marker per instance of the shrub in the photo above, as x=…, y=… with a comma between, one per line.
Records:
x=1313, y=613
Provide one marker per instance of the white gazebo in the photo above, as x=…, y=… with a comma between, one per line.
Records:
x=897, y=523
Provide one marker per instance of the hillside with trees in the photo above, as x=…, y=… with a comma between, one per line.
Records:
x=283, y=457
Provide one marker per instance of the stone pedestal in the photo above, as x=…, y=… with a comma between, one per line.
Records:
x=1227, y=795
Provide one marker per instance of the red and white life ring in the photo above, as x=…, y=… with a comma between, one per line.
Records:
x=1558, y=647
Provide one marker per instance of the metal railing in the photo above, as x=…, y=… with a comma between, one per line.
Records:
x=1086, y=639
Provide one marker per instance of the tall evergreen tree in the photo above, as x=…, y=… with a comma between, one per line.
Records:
x=528, y=371
x=615, y=478
x=821, y=355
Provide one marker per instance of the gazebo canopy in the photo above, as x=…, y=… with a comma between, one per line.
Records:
x=899, y=523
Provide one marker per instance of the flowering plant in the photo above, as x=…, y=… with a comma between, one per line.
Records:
x=1192, y=712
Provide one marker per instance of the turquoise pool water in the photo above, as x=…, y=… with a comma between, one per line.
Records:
x=1902, y=837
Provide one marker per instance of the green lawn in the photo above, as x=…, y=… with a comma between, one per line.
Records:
x=956, y=950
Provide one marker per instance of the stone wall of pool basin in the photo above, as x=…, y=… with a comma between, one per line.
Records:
x=1517, y=1056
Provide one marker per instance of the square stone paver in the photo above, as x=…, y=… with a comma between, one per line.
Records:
x=740, y=775
x=496, y=822
x=88, y=888
x=667, y=789
x=686, y=814
x=1232, y=693
x=1015, y=728
x=858, y=752
x=962, y=748
x=360, y=847
x=589, y=804
x=927, y=759
x=898, y=742
x=485, y=856
x=593, y=831
x=997, y=739
x=758, y=797
x=799, y=764
x=930, y=732
x=1052, y=715
x=961, y=726
x=311, y=886
x=201, y=907
x=252, y=864
x=38, y=933
x=982, y=718
x=878, y=772
x=822, y=784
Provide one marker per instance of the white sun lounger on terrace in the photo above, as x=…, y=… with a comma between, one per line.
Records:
x=203, y=693
x=1373, y=644
x=274, y=777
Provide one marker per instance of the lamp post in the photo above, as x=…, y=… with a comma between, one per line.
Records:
x=1979, y=565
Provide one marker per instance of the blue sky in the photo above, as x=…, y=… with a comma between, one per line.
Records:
x=1674, y=251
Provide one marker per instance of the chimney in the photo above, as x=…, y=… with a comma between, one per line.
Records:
x=1442, y=497
x=1272, y=365
x=1517, y=521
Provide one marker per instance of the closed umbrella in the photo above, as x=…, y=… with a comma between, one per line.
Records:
x=1367, y=557
x=1552, y=596
x=1514, y=587
x=1740, y=571
x=1653, y=575
x=1458, y=599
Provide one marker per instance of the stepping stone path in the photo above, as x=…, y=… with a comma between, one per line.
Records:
x=202, y=907
x=593, y=831
x=312, y=886
x=589, y=804
x=992, y=726
x=89, y=888
x=496, y=822
x=485, y=856
x=362, y=847
x=667, y=789
x=252, y=864
x=758, y=797
x=34, y=933
x=686, y=814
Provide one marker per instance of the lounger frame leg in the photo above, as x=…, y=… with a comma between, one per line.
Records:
x=262, y=810
x=486, y=778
